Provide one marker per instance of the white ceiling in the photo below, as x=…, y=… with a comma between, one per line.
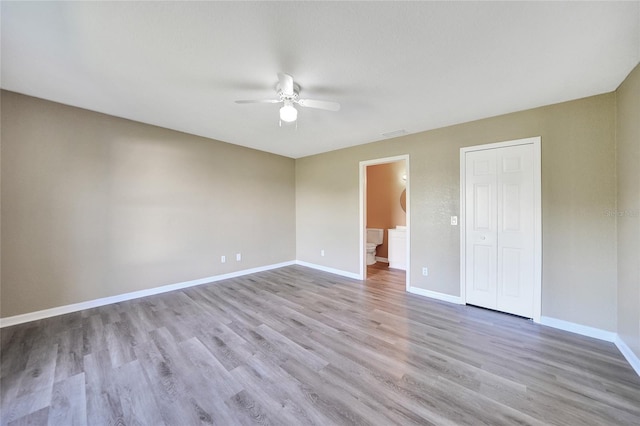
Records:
x=391, y=65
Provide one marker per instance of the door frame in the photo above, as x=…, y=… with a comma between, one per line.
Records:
x=537, y=216
x=363, y=210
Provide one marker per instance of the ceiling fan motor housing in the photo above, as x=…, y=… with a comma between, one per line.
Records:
x=289, y=96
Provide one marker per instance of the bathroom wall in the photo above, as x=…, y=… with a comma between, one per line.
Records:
x=384, y=187
x=96, y=206
x=578, y=187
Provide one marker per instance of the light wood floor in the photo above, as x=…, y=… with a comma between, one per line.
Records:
x=296, y=346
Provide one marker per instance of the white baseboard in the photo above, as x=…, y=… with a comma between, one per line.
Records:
x=60, y=310
x=435, y=295
x=328, y=269
x=596, y=333
x=626, y=351
x=382, y=259
x=584, y=330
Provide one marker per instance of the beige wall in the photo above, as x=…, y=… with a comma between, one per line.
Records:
x=384, y=186
x=628, y=209
x=578, y=187
x=95, y=206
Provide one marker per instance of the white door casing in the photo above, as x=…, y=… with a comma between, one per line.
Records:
x=363, y=213
x=501, y=227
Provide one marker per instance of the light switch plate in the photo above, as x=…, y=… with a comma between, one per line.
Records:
x=454, y=220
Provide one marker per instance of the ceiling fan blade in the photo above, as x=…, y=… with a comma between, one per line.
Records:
x=259, y=101
x=286, y=83
x=310, y=103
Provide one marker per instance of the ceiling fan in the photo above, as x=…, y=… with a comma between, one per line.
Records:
x=289, y=94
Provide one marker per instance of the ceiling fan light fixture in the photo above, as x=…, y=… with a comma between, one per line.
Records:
x=289, y=94
x=288, y=113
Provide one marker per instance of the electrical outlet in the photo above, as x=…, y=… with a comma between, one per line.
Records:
x=321, y=252
x=425, y=271
x=223, y=259
x=238, y=257
x=454, y=220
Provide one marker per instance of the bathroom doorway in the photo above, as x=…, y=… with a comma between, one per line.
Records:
x=384, y=204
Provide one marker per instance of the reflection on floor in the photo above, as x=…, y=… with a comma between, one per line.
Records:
x=380, y=272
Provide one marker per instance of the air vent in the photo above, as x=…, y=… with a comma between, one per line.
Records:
x=395, y=133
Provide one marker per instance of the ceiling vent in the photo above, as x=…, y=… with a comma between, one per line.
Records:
x=395, y=133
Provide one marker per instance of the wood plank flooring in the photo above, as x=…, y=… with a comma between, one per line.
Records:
x=295, y=346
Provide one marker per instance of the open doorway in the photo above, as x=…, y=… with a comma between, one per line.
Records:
x=387, y=181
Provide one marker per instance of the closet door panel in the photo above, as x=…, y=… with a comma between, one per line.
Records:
x=481, y=226
x=515, y=238
x=499, y=226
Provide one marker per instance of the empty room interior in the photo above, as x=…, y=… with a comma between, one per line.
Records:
x=320, y=213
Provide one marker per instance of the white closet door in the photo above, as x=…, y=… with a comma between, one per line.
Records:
x=499, y=222
x=481, y=225
x=515, y=277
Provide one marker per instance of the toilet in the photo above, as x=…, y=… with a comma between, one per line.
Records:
x=374, y=239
